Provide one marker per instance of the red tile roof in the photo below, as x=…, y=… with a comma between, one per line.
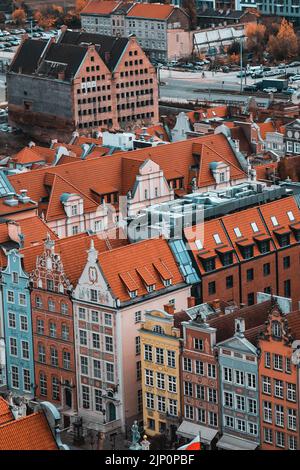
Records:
x=147, y=10
x=5, y=412
x=100, y=7
x=131, y=266
x=31, y=432
x=207, y=113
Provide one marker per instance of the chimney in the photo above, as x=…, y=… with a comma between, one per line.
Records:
x=10, y=200
x=216, y=305
x=23, y=196
x=239, y=326
x=61, y=75
x=191, y=301
x=14, y=230
x=169, y=308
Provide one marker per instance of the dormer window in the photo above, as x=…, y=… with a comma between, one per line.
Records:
x=167, y=282
x=151, y=288
x=199, y=244
x=283, y=239
x=291, y=216
x=74, y=209
x=226, y=258
x=264, y=246
x=247, y=251
x=132, y=294
x=274, y=221
x=158, y=329
x=209, y=264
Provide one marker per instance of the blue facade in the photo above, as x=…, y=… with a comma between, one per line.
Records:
x=239, y=398
x=17, y=326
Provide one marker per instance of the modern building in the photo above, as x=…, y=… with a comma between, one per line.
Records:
x=18, y=334
x=158, y=28
x=160, y=344
x=284, y=8
x=83, y=81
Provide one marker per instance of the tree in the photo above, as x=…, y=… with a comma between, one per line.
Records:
x=19, y=16
x=284, y=45
x=256, y=40
x=191, y=8
x=80, y=4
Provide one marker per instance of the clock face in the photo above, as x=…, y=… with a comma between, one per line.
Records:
x=93, y=276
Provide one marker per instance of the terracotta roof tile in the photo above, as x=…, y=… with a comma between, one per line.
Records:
x=146, y=10
x=100, y=7
x=5, y=412
x=31, y=432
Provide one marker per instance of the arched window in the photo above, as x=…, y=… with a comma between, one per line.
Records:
x=276, y=329
x=158, y=329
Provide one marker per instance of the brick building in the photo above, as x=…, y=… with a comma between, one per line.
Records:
x=83, y=81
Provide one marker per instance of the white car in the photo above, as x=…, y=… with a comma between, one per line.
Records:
x=295, y=78
x=270, y=90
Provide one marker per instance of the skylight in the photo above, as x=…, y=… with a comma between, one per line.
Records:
x=237, y=232
x=199, y=244
x=217, y=239
x=291, y=216
x=254, y=227
x=274, y=221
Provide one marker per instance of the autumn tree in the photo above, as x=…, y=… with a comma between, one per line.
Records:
x=284, y=45
x=256, y=42
x=19, y=16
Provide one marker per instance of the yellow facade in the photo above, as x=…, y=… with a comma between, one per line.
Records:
x=160, y=352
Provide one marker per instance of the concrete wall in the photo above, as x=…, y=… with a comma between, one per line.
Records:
x=50, y=103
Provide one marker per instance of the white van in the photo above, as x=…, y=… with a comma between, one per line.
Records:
x=256, y=68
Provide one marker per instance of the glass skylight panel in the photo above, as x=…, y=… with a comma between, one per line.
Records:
x=217, y=239
x=237, y=232
x=254, y=227
x=291, y=216
x=274, y=221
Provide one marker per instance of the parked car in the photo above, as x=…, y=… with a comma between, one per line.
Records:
x=257, y=75
x=295, y=78
x=289, y=91
x=250, y=88
x=269, y=73
x=296, y=63
x=270, y=90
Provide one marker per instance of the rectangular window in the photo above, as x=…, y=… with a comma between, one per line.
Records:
x=25, y=349
x=26, y=380
x=172, y=384
x=240, y=402
x=83, y=337
x=212, y=395
x=198, y=344
x=96, y=340
x=10, y=297
x=54, y=357
x=159, y=356
x=22, y=300
x=266, y=385
x=279, y=415
x=149, y=378
x=267, y=359
x=14, y=376
x=95, y=316
x=200, y=392
x=11, y=320
x=229, y=282
x=13, y=346
x=227, y=374
x=268, y=435
x=211, y=371
x=109, y=345
x=85, y=397
x=41, y=353
x=279, y=439
x=161, y=404
x=148, y=356
x=55, y=388
x=251, y=381
x=292, y=442
x=240, y=425
x=252, y=429
x=110, y=374
x=252, y=406
x=277, y=362
x=199, y=367
x=43, y=384
x=66, y=360
x=160, y=380
x=97, y=369
x=150, y=400
x=212, y=419
x=171, y=359
x=278, y=388
x=81, y=313
x=187, y=364
x=291, y=392
x=202, y=415
x=228, y=399
x=188, y=389
x=229, y=421
x=98, y=399
x=107, y=319
x=23, y=323
x=172, y=407
x=250, y=274
x=292, y=419
x=287, y=288
x=137, y=316
x=137, y=345
x=188, y=411
x=84, y=365
x=267, y=411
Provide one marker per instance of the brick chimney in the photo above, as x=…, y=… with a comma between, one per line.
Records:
x=169, y=308
x=191, y=301
x=14, y=230
x=216, y=305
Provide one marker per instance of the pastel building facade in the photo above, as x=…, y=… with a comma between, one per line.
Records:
x=17, y=321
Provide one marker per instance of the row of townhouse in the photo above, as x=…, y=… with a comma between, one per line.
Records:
x=229, y=378
x=161, y=30
x=71, y=328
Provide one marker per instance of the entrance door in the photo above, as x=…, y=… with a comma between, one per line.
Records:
x=68, y=397
x=111, y=412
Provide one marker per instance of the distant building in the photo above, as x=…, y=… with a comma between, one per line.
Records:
x=288, y=9
x=83, y=81
x=224, y=16
x=292, y=138
x=153, y=25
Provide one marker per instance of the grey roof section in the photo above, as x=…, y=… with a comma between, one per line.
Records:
x=38, y=57
x=109, y=48
x=225, y=13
